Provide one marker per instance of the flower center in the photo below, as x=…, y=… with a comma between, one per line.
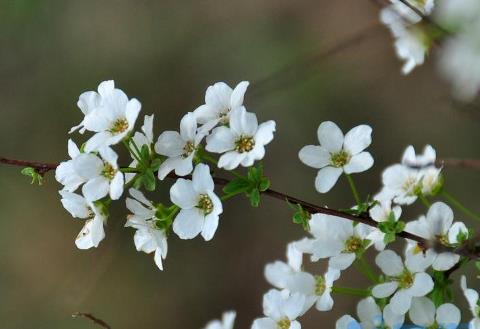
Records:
x=320, y=285
x=405, y=280
x=409, y=185
x=119, y=126
x=108, y=171
x=353, y=244
x=188, y=149
x=443, y=239
x=205, y=204
x=283, y=323
x=340, y=159
x=223, y=116
x=244, y=144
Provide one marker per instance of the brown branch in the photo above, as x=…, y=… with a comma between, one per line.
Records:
x=94, y=319
x=459, y=163
x=465, y=250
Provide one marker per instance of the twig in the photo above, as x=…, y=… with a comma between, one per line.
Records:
x=459, y=163
x=471, y=253
x=94, y=319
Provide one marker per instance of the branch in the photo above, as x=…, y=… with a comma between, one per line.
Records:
x=468, y=249
x=95, y=320
x=460, y=163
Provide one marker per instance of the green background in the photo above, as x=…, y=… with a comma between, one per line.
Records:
x=166, y=53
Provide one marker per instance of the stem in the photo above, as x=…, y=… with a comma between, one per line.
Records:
x=457, y=204
x=132, y=152
x=350, y=291
x=424, y=200
x=365, y=269
x=354, y=189
x=231, y=195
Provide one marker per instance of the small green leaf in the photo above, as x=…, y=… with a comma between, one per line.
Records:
x=155, y=164
x=34, y=174
x=254, y=197
x=145, y=153
x=264, y=184
x=235, y=185
x=148, y=179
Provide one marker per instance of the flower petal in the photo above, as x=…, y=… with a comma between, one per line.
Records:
x=183, y=195
x=358, y=139
x=448, y=316
x=202, y=180
x=422, y=312
x=359, y=163
x=170, y=144
x=188, y=223
x=326, y=178
x=384, y=289
x=314, y=156
x=220, y=140
x=390, y=263
x=238, y=94
x=330, y=136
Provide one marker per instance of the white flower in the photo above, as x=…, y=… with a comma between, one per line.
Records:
x=102, y=174
x=243, y=142
x=472, y=299
x=338, y=239
x=65, y=173
x=111, y=115
x=371, y=317
x=92, y=232
x=281, y=310
x=220, y=100
x=90, y=100
x=180, y=147
x=382, y=212
x=337, y=153
x=401, y=183
x=423, y=314
x=435, y=227
x=148, y=237
x=228, y=318
x=426, y=159
x=316, y=289
x=200, y=206
x=411, y=41
x=404, y=281
x=142, y=138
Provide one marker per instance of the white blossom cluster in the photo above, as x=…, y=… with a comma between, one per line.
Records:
x=452, y=30
x=407, y=286
x=222, y=122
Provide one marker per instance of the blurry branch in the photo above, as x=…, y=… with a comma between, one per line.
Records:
x=460, y=163
x=467, y=249
x=299, y=71
x=95, y=320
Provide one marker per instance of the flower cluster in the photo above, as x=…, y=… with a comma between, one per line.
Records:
x=452, y=26
x=223, y=122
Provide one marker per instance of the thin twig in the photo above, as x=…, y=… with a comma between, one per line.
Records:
x=459, y=163
x=94, y=319
x=465, y=250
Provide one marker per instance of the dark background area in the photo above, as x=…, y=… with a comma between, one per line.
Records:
x=166, y=53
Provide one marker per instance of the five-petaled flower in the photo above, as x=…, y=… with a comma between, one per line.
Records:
x=337, y=153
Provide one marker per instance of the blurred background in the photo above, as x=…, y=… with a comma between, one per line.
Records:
x=166, y=53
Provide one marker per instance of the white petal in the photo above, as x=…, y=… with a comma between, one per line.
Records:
x=188, y=223
x=210, y=226
x=330, y=136
x=314, y=156
x=218, y=96
x=401, y=301
x=158, y=259
x=326, y=178
x=293, y=306
x=419, y=262
x=238, y=94
x=422, y=312
x=448, y=316
x=445, y=261
x=384, y=289
x=347, y=322
x=183, y=195
x=264, y=134
x=422, y=285
x=132, y=111
x=97, y=141
x=188, y=127
x=368, y=311
x=75, y=204
x=440, y=218
x=342, y=261
x=202, y=180
x=243, y=122
x=456, y=228
x=230, y=160
x=88, y=165
x=264, y=323
x=324, y=303
x=392, y=319
x=221, y=140
x=358, y=139
x=170, y=144
x=73, y=150
x=278, y=273
x=390, y=263
x=91, y=234
x=359, y=163
x=96, y=188
x=182, y=166
x=116, y=186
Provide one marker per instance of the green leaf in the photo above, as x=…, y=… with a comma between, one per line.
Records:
x=236, y=185
x=155, y=164
x=34, y=174
x=148, y=179
x=264, y=184
x=254, y=197
x=145, y=153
